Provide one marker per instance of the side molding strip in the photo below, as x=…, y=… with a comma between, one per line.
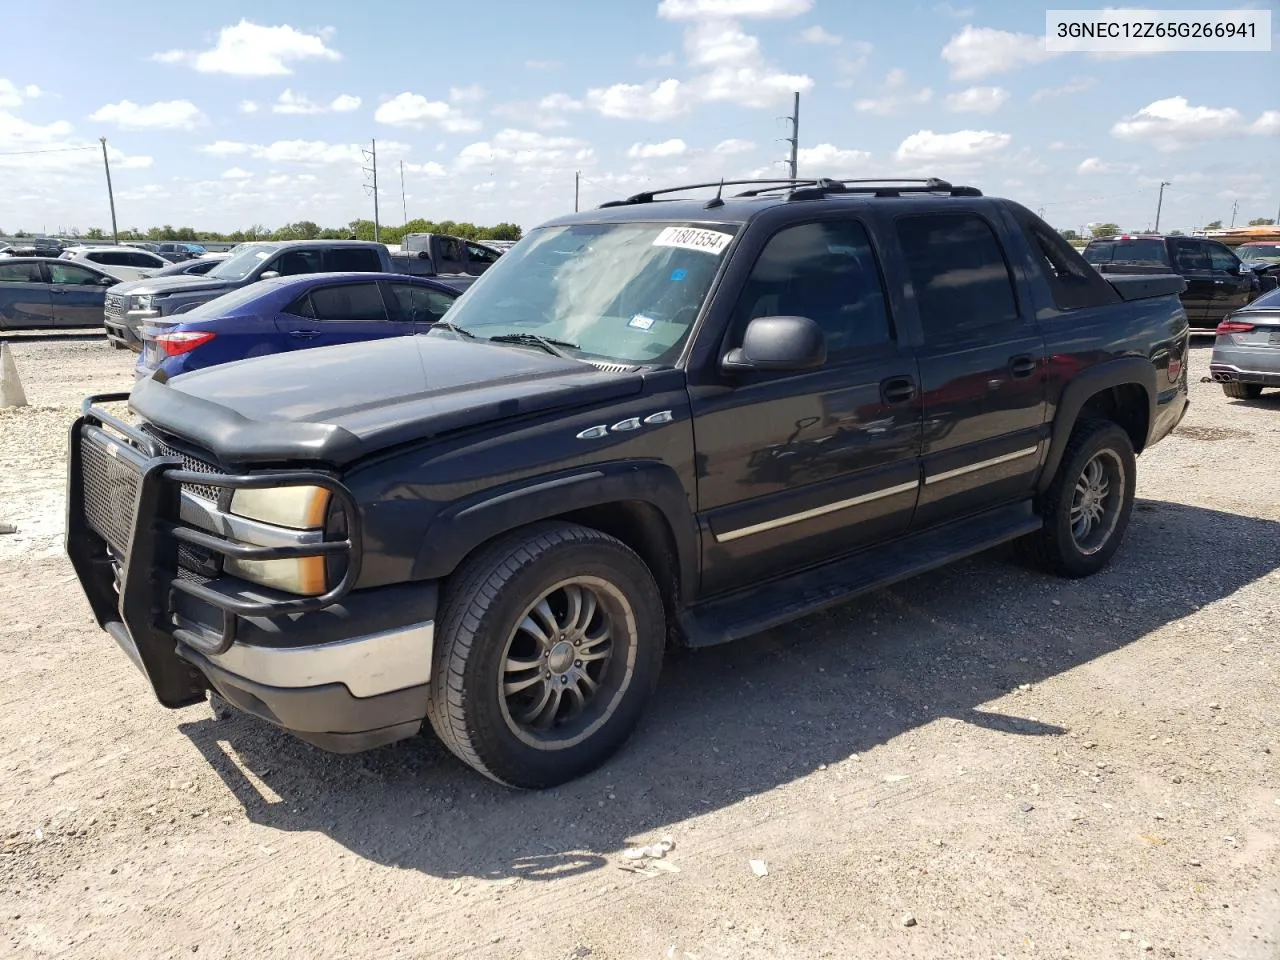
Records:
x=982, y=465
x=816, y=512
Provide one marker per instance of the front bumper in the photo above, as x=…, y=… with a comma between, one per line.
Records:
x=346, y=670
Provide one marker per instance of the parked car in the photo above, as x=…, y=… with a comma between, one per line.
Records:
x=496, y=526
x=440, y=255
x=1217, y=281
x=291, y=313
x=1246, y=353
x=46, y=292
x=1263, y=258
x=127, y=263
x=178, y=252
x=136, y=303
x=189, y=268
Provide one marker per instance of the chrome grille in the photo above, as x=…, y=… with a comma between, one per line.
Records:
x=111, y=488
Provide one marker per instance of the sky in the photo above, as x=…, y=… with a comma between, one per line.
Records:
x=228, y=115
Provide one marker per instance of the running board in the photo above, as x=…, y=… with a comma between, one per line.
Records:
x=772, y=604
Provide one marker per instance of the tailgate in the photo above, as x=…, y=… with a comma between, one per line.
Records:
x=1146, y=286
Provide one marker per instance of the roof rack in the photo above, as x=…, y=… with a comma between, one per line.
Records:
x=813, y=189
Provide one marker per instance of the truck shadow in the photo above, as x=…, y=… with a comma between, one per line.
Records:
x=732, y=722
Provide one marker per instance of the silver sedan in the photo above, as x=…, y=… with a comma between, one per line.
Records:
x=1246, y=353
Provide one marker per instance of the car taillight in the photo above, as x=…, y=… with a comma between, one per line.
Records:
x=183, y=341
x=1234, y=326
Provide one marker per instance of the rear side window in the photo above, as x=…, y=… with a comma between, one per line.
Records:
x=20, y=273
x=1222, y=258
x=1147, y=252
x=959, y=275
x=140, y=259
x=352, y=260
x=1072, y=282
x=349, y=302
x=301, y=307
x=110, y=257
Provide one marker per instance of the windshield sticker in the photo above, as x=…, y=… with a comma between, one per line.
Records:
x=693, y=238
x=641, y=322
x=679, y=274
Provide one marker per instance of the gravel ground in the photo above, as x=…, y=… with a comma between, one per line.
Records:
x=979, y=763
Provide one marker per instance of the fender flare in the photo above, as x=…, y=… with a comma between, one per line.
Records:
x=1111, y=373
x=466, y=524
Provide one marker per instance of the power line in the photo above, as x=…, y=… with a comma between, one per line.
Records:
x=27, y=153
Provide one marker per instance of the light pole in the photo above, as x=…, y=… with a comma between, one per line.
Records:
x=1160, y=202
x=111, y=197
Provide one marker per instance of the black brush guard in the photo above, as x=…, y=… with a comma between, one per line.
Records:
x=124, y=530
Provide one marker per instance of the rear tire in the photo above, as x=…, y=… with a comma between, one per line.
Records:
x=1087, y=506
x=549, y=644
x=1242, y=391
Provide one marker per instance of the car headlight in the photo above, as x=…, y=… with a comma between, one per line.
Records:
x=298, y=508
x=141, y=303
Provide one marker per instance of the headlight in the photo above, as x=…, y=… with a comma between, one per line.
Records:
x=141, y=303
x=299, y=508
x=305, y=576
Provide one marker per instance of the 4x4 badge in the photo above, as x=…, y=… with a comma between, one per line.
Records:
x=625, y=426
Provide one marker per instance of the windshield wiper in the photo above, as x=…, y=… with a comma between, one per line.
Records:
x=453, y=327
x=549, y=344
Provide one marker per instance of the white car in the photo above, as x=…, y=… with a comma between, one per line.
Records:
x=127, y=263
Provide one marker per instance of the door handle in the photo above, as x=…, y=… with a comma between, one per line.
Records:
x=1022, y=366
x=304, y=334
x=57, y=293
x=1219, y=281
x=897, y=390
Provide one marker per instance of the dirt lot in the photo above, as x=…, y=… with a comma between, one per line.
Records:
x=979, y=763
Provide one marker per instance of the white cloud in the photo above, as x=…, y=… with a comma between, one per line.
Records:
x=927, y=146
x=850, y=65
x=295, y=103
x=224, y=148
x=895, y=78
x=977, y=100
x=469, y=94
x=236, y=173
x=560, y=101
x=525, y=148
x=456, y=123
x=486, y=186
x=950, y=10
x=718, y=9
x=640, y=101
x=751, y=86
x=732, y=146
x=977, y=52
x=1097, y=165
x=428, y=169
x=1074, y=85
x=414, y=110
x=662, y=60
x=893, y=102
x=542, y=65
x=345, y=103
x=650, y=151
x=1174, y=124
x=829, y=157
x=719, y=42
x=162, y=115
x=252, y=50
x=248, y=106
x=820, y=36
x=11, y=95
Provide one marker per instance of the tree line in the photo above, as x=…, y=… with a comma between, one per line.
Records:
x=306, y=230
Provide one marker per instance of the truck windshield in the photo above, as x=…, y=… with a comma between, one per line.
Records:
x=242, y=262
x=625, y=292
x=1259, y=251
x=1149, y=251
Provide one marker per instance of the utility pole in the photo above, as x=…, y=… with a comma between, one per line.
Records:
x=1235, y=206
x=577, y=182
x=1160, y=202
x=794, y=139
x=404, y=206
x=111, y=197
x=372, y=154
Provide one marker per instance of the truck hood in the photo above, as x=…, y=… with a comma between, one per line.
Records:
x=337, y=404
x=176, y=284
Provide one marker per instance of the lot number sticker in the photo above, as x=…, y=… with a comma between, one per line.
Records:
x=693, y=238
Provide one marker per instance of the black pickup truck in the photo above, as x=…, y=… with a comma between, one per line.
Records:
x=668, y=419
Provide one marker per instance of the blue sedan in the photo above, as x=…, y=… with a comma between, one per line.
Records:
x=291, y=313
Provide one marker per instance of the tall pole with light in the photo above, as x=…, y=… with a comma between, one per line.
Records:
x=1160, y=202
x=111, y=197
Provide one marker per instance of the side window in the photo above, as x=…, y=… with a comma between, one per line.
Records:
x=825, y=271
x=20, y=273
x=352, y=260
x=142, y=259
x=1222, y=258
x=70, y=273
x=352, y=301
x=295, y=262
x=1191, y=256
x=959, y=275
x=420, y=304
x=481, y=254
x=1072, y=281
x=301, y=307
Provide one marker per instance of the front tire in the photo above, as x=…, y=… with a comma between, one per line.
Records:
x=1242, y=391
x=550, y=643
x=1087, y=506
